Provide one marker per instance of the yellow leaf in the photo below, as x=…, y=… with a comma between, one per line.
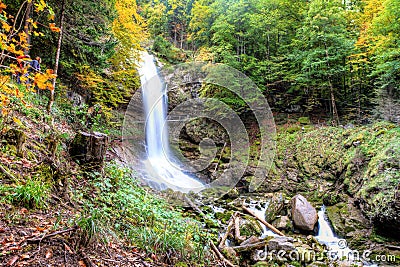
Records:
x=5, y=26
x=40, y=6
x=4, y=112
x=17, y=121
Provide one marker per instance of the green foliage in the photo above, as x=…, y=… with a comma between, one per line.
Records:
x=121, y=205
x=162, y=47
x=165, y=50
x=33, y=193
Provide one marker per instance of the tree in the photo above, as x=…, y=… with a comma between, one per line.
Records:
x=321, y=48
x=385, y=48
x=60, y=37
x=13, y=43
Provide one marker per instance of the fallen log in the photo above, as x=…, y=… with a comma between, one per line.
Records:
x=238, y=237
x=262, y=221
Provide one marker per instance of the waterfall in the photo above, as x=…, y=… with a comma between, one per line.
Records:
x=162, y=167
x=337, y=247
x=325, y=232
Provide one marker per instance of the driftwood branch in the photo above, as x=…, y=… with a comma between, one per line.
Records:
x=262, y=221
x=40, y=239
x=219, y=254
x=228, y=230
x=238, y=237
x=7, y=174
x=250, y=246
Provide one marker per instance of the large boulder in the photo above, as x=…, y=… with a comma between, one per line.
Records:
x=304, y=215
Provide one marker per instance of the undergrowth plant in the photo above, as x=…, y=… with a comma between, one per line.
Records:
x=33, y=193
x=122, y=207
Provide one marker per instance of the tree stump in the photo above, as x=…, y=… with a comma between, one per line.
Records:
x=16, y=137
x=89, y=149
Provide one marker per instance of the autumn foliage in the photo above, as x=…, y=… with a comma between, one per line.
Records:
x=14, y=43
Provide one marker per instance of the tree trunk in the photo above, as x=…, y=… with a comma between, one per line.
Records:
x=335, y=114
x=27, y=27
x=51, y=100
x=334, y=109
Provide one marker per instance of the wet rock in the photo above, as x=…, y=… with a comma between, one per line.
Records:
x=283, y=223
x=251, y=240
x=199, y=129
x=346, y=218
x=304, y=215
x=250, y=227
x=281, y=243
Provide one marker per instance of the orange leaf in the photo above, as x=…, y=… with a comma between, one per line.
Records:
x=12, y=260
x=2, y=6
x=49, y=254
x=53, y=27
x=68, y=249
x=81, y=263
x=41, y=229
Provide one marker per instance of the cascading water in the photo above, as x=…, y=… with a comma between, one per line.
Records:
x=160, y=164
x=337, y=247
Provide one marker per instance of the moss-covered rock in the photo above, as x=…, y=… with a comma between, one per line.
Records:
x=250, y=227
x=275, y=206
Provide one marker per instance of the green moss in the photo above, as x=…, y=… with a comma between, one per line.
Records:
x=293, y=129
x=304, y=120
x=250, y=227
